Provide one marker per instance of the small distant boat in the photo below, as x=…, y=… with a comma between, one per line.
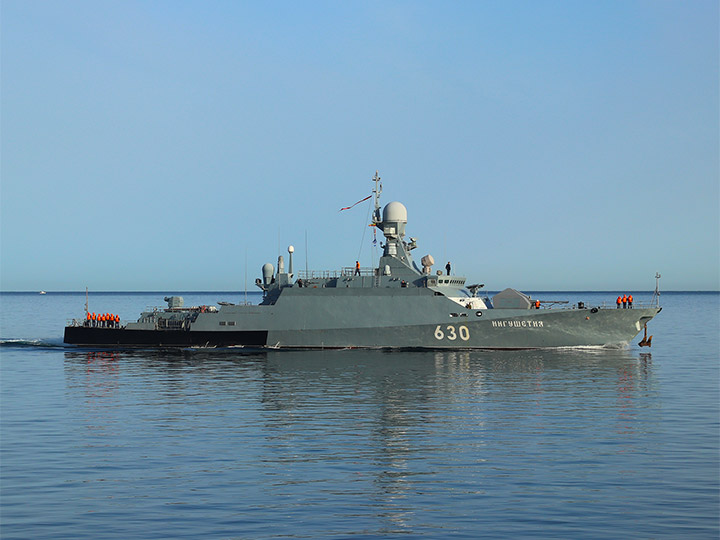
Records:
x=43, y=292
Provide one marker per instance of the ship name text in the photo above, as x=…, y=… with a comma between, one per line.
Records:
x=517, y=324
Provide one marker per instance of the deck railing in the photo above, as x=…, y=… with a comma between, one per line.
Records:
x=635, y=305
x=93, y=324
x=345, y=271
x=603, y=305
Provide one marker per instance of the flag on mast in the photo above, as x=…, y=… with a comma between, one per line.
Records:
x=349, y=207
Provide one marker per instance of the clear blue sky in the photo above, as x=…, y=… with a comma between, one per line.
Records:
x=538, y=145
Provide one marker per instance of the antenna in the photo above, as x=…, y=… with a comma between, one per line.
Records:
x=377, y=191
x=656, y=294
x=246, y=276
x=86, y=301
x=306, y=256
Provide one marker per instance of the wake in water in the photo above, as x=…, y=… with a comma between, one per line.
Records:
x=33, y=343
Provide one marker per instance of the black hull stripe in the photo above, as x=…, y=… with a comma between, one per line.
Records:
x=80, y=335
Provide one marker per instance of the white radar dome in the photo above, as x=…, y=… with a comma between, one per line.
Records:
x=395, y=211
x=267, y=273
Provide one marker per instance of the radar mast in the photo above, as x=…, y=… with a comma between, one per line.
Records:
x=377, y=191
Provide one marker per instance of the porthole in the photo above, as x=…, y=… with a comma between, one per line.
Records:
x=478, y=313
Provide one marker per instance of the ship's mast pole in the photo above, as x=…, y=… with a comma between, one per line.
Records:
x=656, y=294
x=377, y=191
x=86, y=302
x=306, y=256
x=376, y=220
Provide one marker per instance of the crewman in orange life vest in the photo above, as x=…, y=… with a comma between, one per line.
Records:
x=619, y=301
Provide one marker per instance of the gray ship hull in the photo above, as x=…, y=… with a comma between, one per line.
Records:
x=369, y=318
x=506, y=332
x=317, y=320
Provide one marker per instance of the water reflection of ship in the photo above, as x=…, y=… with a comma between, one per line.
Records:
x=389, y=376
x=95, y=375
x=361, y=369
x=396, y=420
x=399, y=409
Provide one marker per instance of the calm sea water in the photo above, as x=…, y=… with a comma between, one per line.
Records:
x=365, y=444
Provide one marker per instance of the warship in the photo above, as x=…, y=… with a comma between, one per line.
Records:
x=398, y=304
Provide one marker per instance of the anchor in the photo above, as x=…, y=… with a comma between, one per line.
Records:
x=646, y=341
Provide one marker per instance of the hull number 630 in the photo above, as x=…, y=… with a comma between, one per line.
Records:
x=451, y=333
